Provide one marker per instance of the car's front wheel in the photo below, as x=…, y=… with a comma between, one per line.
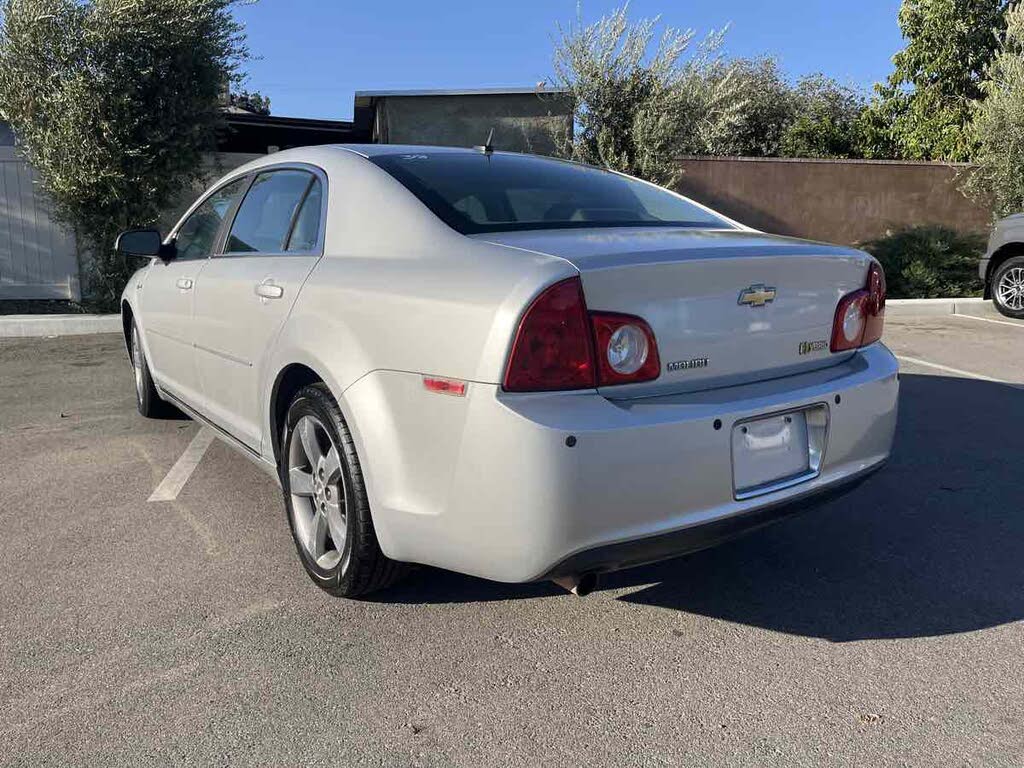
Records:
x=146, y=397
x=1008, y=287
x=328, y=509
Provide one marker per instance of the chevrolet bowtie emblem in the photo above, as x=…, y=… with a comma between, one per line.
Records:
x=757, y=295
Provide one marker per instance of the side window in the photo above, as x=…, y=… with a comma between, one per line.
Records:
x=265, y=217
x=306, y=233
x=197, y=236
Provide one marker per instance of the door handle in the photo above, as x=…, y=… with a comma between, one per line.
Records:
x=184, y=283
x=267, y=290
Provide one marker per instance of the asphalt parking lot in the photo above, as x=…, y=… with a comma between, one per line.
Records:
x=884, y=629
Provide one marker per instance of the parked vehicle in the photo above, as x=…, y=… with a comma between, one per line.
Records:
x=509, y=366
x=1002, y=266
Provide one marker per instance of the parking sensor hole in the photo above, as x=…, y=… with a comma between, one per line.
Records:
x=838, y=399
x=718, y=424
x=570, y=441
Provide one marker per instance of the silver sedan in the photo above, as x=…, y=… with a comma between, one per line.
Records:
x=506, y=365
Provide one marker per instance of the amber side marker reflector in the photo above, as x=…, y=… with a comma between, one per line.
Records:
x=445, y=386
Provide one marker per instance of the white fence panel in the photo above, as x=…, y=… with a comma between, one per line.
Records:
x=37, y=255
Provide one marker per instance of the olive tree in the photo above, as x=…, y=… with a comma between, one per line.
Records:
x=642, y=98
x=998, y=125
x=114, y=103
x=766, y=107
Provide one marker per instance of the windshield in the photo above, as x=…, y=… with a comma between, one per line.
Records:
x=474, y=193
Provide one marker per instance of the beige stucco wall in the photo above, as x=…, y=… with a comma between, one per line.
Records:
x=840, y=201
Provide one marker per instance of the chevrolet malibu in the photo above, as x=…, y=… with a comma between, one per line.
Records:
x=509, y=366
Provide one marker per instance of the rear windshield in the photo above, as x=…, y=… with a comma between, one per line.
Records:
x=476, y=193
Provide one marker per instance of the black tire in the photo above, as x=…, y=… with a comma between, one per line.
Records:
x=146, y=397
x=362, y=567
x=1015, y=263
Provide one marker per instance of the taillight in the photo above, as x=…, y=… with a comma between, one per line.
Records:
x=554, y=348
x=626, y=350
x=860, y=315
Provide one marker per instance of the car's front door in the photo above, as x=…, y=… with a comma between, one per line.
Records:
x=247, y=291
x=168, y=294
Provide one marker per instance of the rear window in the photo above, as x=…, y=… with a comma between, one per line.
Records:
x=476, y=193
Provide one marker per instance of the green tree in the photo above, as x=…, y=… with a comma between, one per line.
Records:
x=923, y=110
x=250, y=101
x=114, y=103
x=998, y=125
x=639, y=104
x=767, y=108
x=826, y=119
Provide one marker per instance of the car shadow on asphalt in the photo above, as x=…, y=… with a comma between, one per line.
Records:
x=931, y=545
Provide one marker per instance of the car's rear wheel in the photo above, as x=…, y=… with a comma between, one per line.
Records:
x=328, y=509
x=146, y=397
x=1008, y=287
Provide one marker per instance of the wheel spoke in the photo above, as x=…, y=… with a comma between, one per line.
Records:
x=337, y=524
x=332, y=466
x=300, y=482
x=307, y=434
x=318, y=535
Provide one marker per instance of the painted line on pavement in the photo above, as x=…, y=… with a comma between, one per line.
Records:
x=183, y=468
x=992, y=320
x=957, y=371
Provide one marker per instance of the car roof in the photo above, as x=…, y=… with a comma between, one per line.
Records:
x=377, y=150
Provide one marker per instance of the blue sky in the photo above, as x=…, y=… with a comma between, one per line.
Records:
x=315, y=53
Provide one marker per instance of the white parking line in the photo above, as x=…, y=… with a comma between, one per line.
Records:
x=957, y=371
x=183, y=468
x=991, y=320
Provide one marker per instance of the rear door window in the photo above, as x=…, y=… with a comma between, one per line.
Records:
x=306, y=233
x=268, y=212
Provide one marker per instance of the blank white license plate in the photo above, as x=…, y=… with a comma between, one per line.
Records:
x=770, y=451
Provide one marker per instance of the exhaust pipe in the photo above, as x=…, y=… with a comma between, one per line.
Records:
x=581, y=584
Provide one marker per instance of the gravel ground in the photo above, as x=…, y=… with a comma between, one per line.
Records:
x=883, y=629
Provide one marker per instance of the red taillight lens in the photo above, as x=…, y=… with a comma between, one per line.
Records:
x=553, y=349
x=860, y=315
x=626, y=349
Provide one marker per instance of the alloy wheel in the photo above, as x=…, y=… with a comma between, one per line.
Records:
x=1011, y=289
x=317, y=486
x=137, y=364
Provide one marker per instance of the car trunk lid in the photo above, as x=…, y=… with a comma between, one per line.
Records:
x=726, y=307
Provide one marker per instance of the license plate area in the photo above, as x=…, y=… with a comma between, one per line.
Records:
x=778, y=450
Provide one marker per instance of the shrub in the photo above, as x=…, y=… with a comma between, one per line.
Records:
x=114, y=103
x=929, y=262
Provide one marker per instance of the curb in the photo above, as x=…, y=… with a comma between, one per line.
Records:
x=24, y=326
x=931, y=307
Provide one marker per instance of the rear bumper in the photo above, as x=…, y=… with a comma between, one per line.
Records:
x=489, y=485
x=628, y=554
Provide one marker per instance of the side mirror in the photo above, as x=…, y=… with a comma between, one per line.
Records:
x=145, y=243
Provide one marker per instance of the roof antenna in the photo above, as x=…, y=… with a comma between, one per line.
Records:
x=488, y=147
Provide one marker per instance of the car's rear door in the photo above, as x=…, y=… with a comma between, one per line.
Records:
x=168, y=294
x=247, y=291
